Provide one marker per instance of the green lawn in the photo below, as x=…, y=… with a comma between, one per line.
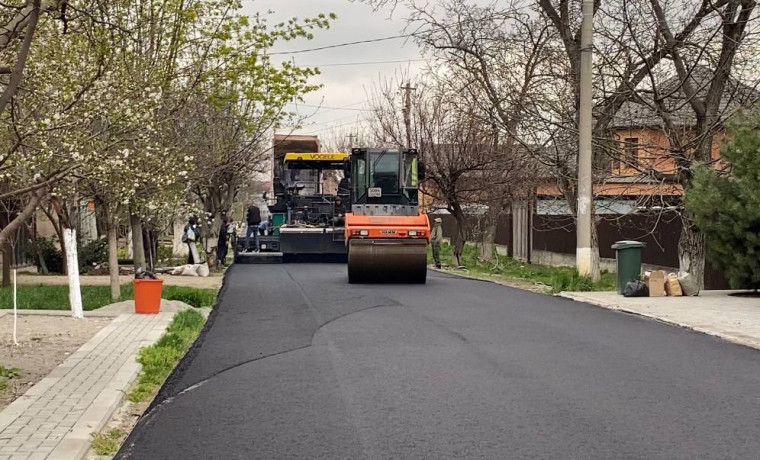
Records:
x=43, y=297
x=557, y=278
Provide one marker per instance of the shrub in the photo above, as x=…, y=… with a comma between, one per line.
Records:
x=164, y=253
x=726, y=207
x=92, y=253
x=50, y=254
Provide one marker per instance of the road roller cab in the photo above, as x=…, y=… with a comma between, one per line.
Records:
x=386, y=233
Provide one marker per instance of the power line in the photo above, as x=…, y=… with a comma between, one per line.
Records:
x=360, y=63
x=333, y=127
x=335, y=108
x=339, y=45
x=328, y=107
x=333, y=120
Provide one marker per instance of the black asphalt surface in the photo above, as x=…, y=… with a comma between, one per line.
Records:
x=297, y=363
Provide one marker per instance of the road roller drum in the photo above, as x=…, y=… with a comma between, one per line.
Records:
x=387, y=261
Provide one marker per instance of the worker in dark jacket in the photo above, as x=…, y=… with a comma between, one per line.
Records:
x=339, y=215
x=221, y=244
x=436, y=237
x=253, y=219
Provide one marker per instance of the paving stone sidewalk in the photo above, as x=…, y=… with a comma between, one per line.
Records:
x=56, y=417
x=736, y=319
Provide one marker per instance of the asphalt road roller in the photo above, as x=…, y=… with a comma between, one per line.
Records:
x=386, y=233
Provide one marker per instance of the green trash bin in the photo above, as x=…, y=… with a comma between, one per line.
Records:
x=628, y=257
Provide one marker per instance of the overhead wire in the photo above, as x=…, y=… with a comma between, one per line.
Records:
x=398, y=61
x=327, y=107
x=333, y=120
x=340, y=45
x=332, y=127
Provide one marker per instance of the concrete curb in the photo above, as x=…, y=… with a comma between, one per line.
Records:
x=737, y=339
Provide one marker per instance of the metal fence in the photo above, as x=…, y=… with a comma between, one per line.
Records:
x=660, y=232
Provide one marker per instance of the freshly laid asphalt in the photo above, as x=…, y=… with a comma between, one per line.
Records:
x=297, y=363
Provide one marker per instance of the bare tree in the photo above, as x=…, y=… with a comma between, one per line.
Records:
x=635, y=39
x=467, y=166
x=690, y=96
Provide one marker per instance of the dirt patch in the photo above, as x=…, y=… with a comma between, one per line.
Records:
x=44, y=343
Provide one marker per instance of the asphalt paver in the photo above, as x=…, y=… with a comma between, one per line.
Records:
x=297, y=363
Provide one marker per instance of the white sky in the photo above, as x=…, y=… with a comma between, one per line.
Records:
x=344, y=86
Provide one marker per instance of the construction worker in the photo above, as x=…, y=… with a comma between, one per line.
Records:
x=191, y=234
x=221, y=244
x=339, y=216
x=253, y=219
x=436, y=237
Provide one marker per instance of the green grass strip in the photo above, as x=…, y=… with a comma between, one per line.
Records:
x=557, y=278
x=50, y=297
x=159, y=359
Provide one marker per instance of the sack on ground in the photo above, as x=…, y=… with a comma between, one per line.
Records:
x=203, y=270
x=185, y=270
x=636, y=289
x=673, y=286
x=655, y=281
x=689, y=286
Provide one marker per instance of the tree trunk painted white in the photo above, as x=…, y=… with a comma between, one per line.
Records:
x=75, y=291
x=15, y=309
x=179, y=249
x=113, y=262
x=130, y=252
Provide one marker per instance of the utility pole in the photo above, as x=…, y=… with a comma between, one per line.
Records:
x=407, y=112
x=351, y=138
x=583, y=251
